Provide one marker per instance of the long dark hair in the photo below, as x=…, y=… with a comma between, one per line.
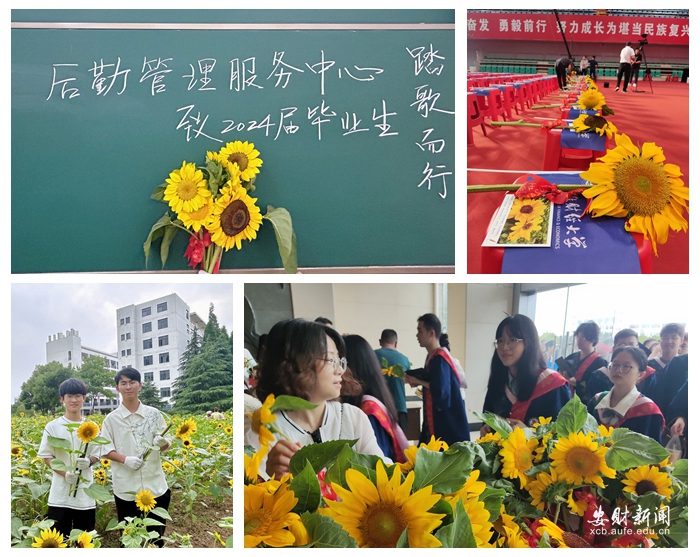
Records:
x=291, y=363
x=530, y=364
x=368, y=372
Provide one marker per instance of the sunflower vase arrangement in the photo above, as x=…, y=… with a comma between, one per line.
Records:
x=212, y=204
x=87, y=433
x=573, y=483
x=556, y=484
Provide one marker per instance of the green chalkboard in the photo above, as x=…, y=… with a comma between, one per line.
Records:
x=85, y=164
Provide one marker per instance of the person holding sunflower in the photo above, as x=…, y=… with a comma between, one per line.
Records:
x=130, y=428
x=520, y=387
x=70, y=510
x=624, y=405
x=306, y=360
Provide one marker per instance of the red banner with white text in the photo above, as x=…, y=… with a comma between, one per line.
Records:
x=577, y=28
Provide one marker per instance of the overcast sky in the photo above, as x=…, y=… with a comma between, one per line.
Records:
x=40, y=310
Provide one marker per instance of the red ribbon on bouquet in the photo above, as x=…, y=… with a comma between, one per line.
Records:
x=536, y=186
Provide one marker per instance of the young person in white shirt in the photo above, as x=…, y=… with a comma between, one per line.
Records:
x=67, y=510
x=126, y=428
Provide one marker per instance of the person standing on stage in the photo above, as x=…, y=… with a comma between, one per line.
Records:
x=626, y=60
x=593, y=66
x=562, y=67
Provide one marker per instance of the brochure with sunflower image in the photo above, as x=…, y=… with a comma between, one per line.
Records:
x=521, y=222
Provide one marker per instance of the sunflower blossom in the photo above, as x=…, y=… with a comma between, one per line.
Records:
x=235, y=217
x=523, y=229
x=239, y=158
x=635, y=184
x=527, y=209
x=268, y=515
x=647, y=478
x=592, y=99
x=49, y=538
x=518, y=454
x=594, y=124
x=377, y=515
x=187, y=189
x=578, y=459
x=87, y=431
x=145, y=500
x=545, y=489
x=186, y=428
x=435, y=445
x=84, y=540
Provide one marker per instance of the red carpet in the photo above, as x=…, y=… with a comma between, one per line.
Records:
x=660, y=117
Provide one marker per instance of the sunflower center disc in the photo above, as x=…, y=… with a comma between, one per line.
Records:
x=642, y=186
x=186, y=190
x=583, y=461
x=524, y=460
x=645, y=486
x=526, y=209
x=51, y=542
x=240, y=159
x=235, y=218
x=256, y=523
x=384, y=525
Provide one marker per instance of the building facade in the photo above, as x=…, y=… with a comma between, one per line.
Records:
x=151, y=337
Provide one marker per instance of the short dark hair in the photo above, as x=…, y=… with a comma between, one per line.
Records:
x=530, y=364
x=640, y=358
x=323, y=321
x=389, y=336
x=294, y=348
x=72, y=386
x=590, y=331
x=129, y=372
x=624, y=333
x=673, y=328
x=431, y=323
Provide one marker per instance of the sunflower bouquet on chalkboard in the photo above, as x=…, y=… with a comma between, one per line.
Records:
x=213, y=206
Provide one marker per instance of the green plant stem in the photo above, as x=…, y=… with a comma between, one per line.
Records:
x=212, y=257
x=515, y=187
x=546, y=105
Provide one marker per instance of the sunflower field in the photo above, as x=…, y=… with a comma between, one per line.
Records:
x=568, y=483
x=198, y=469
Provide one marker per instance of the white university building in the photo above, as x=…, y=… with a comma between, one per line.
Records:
x=151, y=337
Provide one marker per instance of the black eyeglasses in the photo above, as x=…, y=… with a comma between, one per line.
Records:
x=338, y=363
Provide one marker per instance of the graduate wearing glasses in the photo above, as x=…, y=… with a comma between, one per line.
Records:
x=624, y=405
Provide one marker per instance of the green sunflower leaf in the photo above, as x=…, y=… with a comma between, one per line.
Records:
x=159, y=192
x=287, y=402
x=492, y=500
x=572, y=417
x=59, y=465
x=459, y=533
x=320, y=455
x=286, y=239
x=98, y=492
x=307, y=490
x=58, y=443
x=680, y=470
x=631, y=449
x=447, y=471
x=156, y=232
x=496, y=423
x=326, y=532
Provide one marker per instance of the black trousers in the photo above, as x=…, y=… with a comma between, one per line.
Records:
x=561, y=76
x=68, y=519
x=129, y=508
x=626, y=70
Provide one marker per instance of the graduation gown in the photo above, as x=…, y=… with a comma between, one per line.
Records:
x=589, y=379
x=644, y=416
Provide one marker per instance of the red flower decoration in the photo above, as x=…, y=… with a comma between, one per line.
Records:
x=195, y=250
x=326, y=489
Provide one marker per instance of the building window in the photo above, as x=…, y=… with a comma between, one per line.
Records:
x=147, y=343
x=121, y=321
x=163, y=323
x=146, y=327
x=163, y=306
x=145, y=312
x=187, y=314
x=128, y=353
x=123, y=336
x=163, y=341
x=165, y=392
x=148, y=360
x=164, y=374
x=127, y=320
x=148, y=376
x=164, y=358
x=69, y=355
x=123, y=352
x=128, y=336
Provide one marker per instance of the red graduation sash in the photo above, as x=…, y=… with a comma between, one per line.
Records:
x=547, y=381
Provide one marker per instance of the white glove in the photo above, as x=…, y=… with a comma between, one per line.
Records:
x=133, y=462
x=71, y=477
x=160, y=441
x=82, y=463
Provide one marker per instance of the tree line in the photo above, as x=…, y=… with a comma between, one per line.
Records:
x=205, y=380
